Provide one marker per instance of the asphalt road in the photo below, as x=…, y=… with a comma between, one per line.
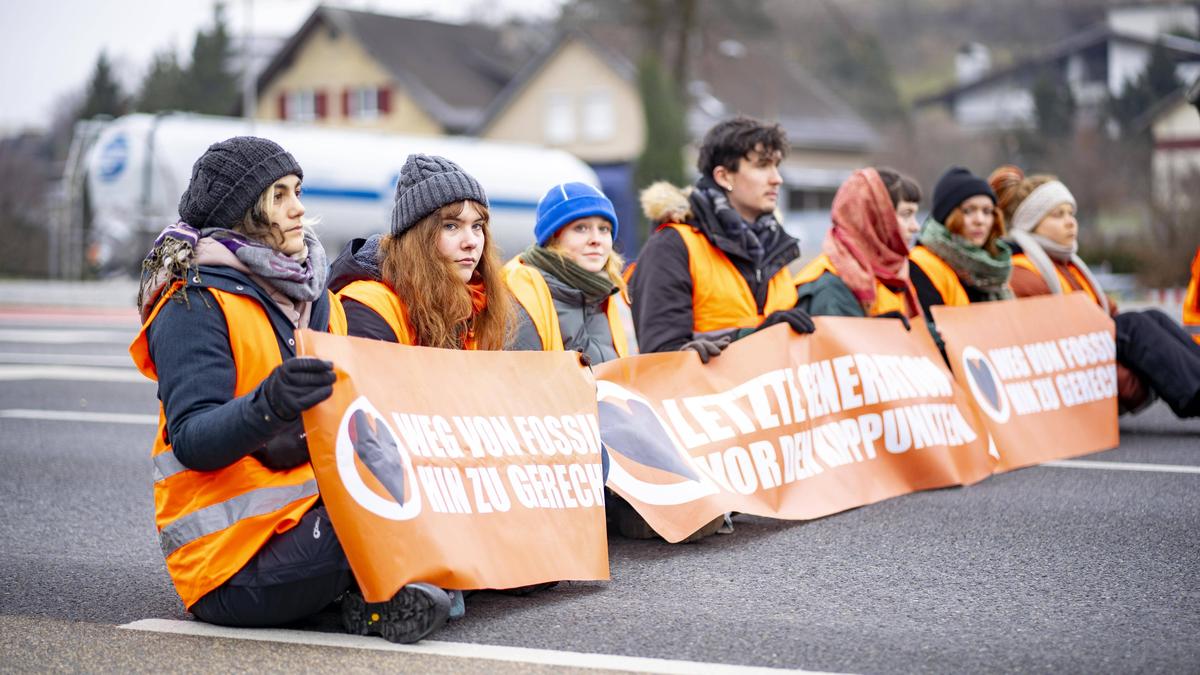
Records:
x=1044, y=569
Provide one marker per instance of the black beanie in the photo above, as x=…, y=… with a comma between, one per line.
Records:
x=229, y=178
x=956, y=186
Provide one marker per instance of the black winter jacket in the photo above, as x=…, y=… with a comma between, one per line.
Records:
x=207, y=426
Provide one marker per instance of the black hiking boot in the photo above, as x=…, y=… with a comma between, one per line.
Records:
x=412, y=614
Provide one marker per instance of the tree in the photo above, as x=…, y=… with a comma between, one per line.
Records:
x=104, y=96
x=163, y=87
x=853, y=60
x=211, y=86
x=1157, y=81
x=1054, y=108
x=666, y=129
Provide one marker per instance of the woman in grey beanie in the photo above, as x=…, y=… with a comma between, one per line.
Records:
x=236, y=499
x=436, y=279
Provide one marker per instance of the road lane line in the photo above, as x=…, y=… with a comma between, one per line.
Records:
x=65, y=337
x=78, y=416
x=465, y=650
x=49, y=358
x=71, y=373
x=1122, y=466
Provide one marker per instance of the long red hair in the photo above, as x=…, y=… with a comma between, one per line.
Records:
x=440, y=305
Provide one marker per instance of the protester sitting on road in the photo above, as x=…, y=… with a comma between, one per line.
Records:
x=246, y=539
x=716, y=267
x=960, y=257
x=566, y=283
x=863, y=268
x=1154, y=354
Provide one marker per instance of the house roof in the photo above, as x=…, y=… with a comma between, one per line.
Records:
x=741, y=79
x=452, y=71
x=1181, y=48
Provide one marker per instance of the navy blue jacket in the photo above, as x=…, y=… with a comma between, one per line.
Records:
x=208, y=427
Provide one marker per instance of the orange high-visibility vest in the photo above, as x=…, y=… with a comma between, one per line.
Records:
x=1191, y=302
x=211, y=523
x=886, y=300
x=1023, y=261
x=941, y=274
x=531, y=290
x=381, y=299
x=721, y=298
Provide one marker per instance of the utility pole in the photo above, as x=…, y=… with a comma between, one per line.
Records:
x=249, y=78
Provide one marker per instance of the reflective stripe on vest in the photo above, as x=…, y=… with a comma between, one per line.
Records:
x=886, y=300
x=1081, y=284
x=941, y=275
x=721, y=298
x=166, y=465
x=225, y=514
x=211, y=523
x=529, y=287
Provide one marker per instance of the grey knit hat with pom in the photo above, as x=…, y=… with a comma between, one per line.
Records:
x=230, y=177
x=427, y=183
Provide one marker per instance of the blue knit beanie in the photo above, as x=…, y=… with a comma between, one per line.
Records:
x=568, y=202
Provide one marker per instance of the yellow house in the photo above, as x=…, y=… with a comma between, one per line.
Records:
x=580, y=94
x=351, y=68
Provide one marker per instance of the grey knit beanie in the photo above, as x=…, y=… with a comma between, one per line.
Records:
x=427, y=183
x=229, y=178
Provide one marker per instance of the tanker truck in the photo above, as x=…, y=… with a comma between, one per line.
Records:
x=130, y=176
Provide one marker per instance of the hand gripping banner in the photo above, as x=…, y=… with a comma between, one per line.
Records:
x=787, y=426
x=463, y=469
x=1041, y=369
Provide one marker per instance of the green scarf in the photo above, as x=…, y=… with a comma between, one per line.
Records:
x=595, y=286
x=974, y=266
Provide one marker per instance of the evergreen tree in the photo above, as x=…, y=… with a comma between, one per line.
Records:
x=163, y=88
x=104, y=95
x=855, y=62
x=211, y=85
x=1054, y=107
x=666, y=129
x=1158, y=80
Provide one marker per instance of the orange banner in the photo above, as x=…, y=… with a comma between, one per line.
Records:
x=1042, y=371
x=787, y=426
x=463, y=469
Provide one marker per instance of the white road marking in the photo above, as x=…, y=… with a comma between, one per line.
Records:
x=45, y=358
x=66, y=337
x=1122, y=466
x=78, y=416
x=465, y=650
x=71, y=373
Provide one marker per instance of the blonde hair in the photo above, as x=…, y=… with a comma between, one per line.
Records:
x=613, y=267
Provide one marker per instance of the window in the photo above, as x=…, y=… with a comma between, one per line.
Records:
x=599, y=121
x=302, y=106
x=560, y=119
x=362, y=103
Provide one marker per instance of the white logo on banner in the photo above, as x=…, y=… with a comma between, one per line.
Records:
x=384, y=456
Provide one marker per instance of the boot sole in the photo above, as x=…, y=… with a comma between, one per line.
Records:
x=412, y=614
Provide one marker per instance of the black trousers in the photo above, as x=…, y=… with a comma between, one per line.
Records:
x=296, y=574
x=1155, y=347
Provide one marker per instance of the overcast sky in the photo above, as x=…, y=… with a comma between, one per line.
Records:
x=49, y=47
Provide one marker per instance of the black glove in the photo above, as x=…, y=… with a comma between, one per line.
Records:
x=297, y=385
x=584, y=359
x=286, y=450
x=795, y=317
x=896, y=315
x=707, y=348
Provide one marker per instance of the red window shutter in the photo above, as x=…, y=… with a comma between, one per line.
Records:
x=283, y=106
x=385, y=100
x=346, y=102
x=319, y=105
